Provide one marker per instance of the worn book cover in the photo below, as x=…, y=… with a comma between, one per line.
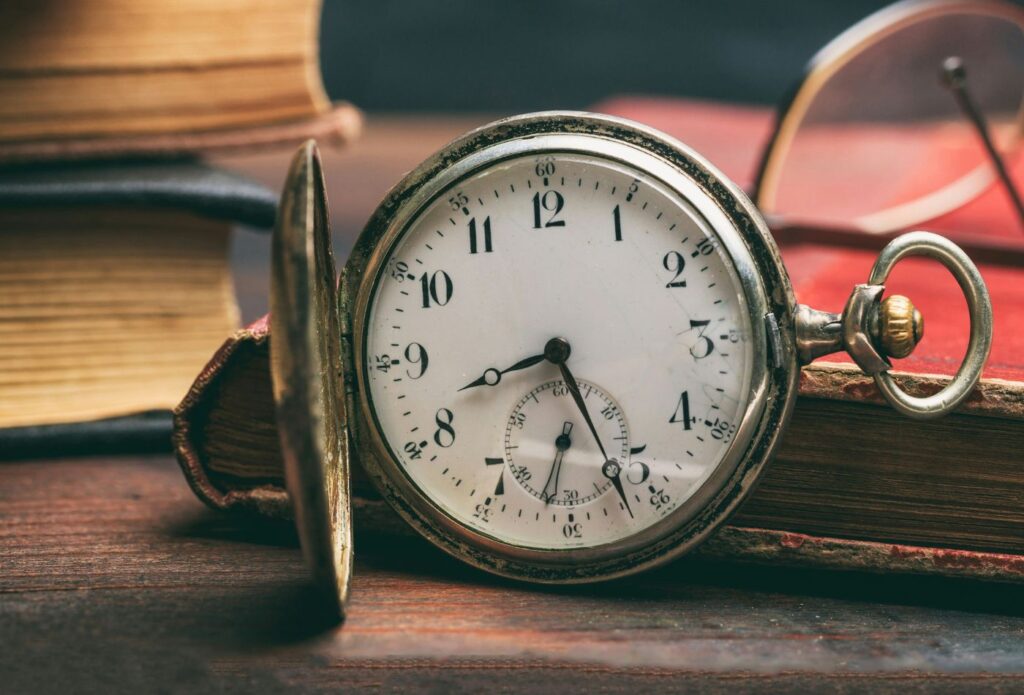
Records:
x=105, y=79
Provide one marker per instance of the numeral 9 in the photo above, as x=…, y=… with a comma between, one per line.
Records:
x=416, y=354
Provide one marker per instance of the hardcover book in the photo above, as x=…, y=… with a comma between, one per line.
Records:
x=103, y=78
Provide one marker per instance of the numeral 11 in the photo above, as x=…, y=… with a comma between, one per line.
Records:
x=487, y=235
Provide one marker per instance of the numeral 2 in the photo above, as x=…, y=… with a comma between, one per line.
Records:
x=674, y=262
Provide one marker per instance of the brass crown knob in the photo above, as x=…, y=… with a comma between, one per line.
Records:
x=900, y=326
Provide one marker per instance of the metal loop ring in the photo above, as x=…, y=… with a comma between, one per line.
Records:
x=978, y=304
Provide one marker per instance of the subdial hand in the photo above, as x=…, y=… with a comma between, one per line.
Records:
x=492, y=376
x=562, y=443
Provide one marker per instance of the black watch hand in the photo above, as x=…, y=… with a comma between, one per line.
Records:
x=613, y=471
x=562, y=443
x=574, y=391
x=492, y=376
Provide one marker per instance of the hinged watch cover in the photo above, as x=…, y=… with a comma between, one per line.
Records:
x=307, y=379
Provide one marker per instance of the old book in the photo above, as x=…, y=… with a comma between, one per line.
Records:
x=115, y=286
x=102, y=77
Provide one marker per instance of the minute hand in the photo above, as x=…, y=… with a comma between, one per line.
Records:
x=574, y=390
x=610, y=468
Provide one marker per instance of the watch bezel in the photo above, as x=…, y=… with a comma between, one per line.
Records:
x=766, y=290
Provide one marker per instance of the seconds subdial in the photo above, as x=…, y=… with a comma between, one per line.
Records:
x=549, y=449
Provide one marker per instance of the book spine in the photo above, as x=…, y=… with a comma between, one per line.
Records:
x=772, y=546
x=266, y=499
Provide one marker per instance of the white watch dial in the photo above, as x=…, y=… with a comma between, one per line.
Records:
x=648, y=307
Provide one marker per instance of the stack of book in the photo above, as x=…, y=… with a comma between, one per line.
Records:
x=115, y=281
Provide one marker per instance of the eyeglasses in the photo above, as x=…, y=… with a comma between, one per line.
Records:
x=908, y=115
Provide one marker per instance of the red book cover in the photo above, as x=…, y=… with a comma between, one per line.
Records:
x=825, y=263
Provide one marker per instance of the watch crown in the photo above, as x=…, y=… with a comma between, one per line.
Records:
x=900, y=326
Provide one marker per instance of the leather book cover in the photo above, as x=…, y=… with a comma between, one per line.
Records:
x=143, y=433
x=182, y=184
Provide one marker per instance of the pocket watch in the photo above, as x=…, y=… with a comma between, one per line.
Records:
x=563, y=349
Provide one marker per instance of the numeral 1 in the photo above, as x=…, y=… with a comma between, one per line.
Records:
x=487, y=235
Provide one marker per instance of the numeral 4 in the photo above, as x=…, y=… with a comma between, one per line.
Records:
x=682, y=411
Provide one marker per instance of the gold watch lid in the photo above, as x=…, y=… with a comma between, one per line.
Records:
x=305, y=368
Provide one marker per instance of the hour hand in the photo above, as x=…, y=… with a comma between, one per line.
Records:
x=492, y=376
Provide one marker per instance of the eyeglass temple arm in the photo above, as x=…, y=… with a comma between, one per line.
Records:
x=954, y=77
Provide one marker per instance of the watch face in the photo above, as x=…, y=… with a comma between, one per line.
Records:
x=559, y=352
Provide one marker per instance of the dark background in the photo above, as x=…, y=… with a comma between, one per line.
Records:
x=509, y=56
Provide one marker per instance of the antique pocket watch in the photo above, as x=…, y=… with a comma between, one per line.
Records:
x=563, y=349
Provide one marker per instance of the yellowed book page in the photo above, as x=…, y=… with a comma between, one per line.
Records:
x=106, y=313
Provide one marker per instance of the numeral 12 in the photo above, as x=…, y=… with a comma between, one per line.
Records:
x=552, y=202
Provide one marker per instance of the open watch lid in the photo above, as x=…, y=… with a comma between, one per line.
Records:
x=307, y=380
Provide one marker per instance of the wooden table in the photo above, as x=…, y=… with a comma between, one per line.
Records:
x=113, y=577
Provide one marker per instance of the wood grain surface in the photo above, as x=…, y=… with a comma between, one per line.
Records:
x=113, y=577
